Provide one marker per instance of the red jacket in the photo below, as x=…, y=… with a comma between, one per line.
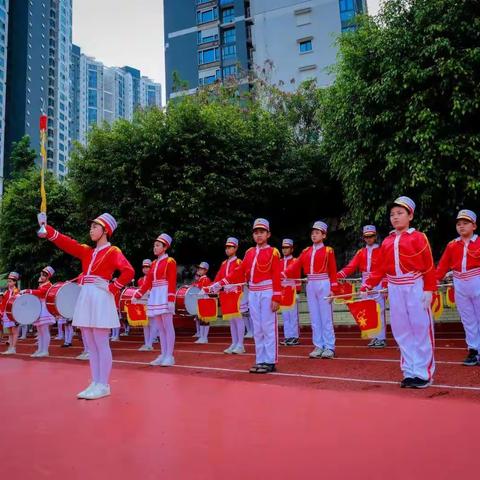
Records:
x=202, y=282
x=41, y=291
x=415, y=256
x=267, y=268
x=227, y=267
x=286, y=262
x=453, y=257
x=141, y=280
x=6, y=297
x=323, y=262
x=107, y=261
x=360, y=262
x=164, y=268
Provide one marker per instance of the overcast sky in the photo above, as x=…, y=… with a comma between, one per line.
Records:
x=128, y=32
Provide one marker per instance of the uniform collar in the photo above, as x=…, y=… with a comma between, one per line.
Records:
x=372, y=247
x=99, y=249
x=231, y=259
x=473, y=239
x=288, y=257
x=409, y=231
x=159, y=259
x=317, y=246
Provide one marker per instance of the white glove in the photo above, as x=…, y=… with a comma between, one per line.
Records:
x=215, y=287
x=171, y=307
x=42, y=218
x=427, y=300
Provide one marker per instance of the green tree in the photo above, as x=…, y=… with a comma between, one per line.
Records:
x=22, y=157
x=403, y=114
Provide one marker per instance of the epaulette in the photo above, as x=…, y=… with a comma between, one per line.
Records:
x=276, y=252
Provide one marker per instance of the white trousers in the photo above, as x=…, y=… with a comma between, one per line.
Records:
x=321, y=316
x=412, y=328
x=467, y=298
x=290, y=322
x=264, y=323
x=381, y=301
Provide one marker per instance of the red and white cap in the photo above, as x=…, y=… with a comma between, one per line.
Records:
x=204, y=265
x=467, y=215
x=319, y=225
x=261, y=223
x=147, y=263
x=287, y=242
x=13, y=276
x=369, y=230
x=165, y=239
x=231, y=242
x=405, y=202
x=49, y=271
x=107, y=222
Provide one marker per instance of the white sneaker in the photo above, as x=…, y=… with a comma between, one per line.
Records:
x=145, y=348
x=327, y=353
x=124, y=334
x=86, y=391
x=157, y=361
x=316, y=352
x=230, y=349
x=202, y=341
x=83, y=356
x=43, y=354
x=114, y=339
x=35, y=354
x=98, y=391
x=195, y=335
x=168, y=362
x=238, y=350
x=58, y=338
x=249, y=335
x=10, y=351
x=22, y=338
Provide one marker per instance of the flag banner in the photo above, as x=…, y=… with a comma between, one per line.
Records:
x=367, y=316
x=289, y=298
x=136, y=315
x=43, y=153
x=230, y=304
x=344, y=288
x=207, y=309
x=450, y=297
x=437, y=305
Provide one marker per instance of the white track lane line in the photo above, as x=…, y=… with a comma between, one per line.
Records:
x=292, y=375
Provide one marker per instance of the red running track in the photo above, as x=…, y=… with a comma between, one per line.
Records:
x=207, y=419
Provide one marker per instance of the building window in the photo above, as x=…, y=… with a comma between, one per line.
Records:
x=206, y=36
x=199, y=2
x=229, y=36
x=92, y=98
x=92, y=116
x=209, y=78
x=92, y=78
x=229, y=71
x=205, y=16
x=302, y=16
x=208, y=56
x=305, y=46
x=228, y=15
x=348, y=10
x=230, y=51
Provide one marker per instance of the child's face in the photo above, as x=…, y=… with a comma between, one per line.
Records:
x=145, y=270
x=400, y=218
x=10, y=283
x=158, y=248
x=43, y=277
x=318, y=236
x=201, y=271
x=96, y=231
x=370, y=239
x=230, y=251
x=287, y=251
x=465, y=228
x=260, y=236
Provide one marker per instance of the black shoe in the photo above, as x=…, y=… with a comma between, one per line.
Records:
x=285, y=342
x=66, y=345
x=406, y=383
x=472, y=358
x=420, y=383
x=271, y=367
x=294, y=341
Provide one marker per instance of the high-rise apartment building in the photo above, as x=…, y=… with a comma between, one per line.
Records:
x=3, y=78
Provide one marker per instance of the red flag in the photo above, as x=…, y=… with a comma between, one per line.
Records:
x=230, y=304
x=136, y=314
x=43, y=122
x=450, y=297
x=289, y=296
x=367, y=315
x=437, y=305
x=207, y=309
x=344, y=288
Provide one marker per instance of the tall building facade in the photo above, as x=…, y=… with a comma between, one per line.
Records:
x=206, y=41
x=38, y=79
x=288, y=41
x=150, y=93
x=3, y=78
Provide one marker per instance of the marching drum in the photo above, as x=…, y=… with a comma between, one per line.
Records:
x=127, y=296
x=61, y=299
x=186, y=300
x=23, y=308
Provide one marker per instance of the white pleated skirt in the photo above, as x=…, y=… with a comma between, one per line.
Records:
x=157, y=303
x=46, y=318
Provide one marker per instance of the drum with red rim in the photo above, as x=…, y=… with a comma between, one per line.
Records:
x=126, y=298
x=23, y=308
x=186, y=300
x=61, y=299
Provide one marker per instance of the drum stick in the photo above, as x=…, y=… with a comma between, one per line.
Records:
x=356, y=294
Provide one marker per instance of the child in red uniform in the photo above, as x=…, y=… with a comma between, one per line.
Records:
x=10, y=328
x=261, y=269
x=365, y=261
x=95, y=311
x=161, y=281
x=202, y=281
x=232, y=296
x=318, y=263
x=462, y=255
x=406, y=260
x=46, y=318
x=147, y=330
